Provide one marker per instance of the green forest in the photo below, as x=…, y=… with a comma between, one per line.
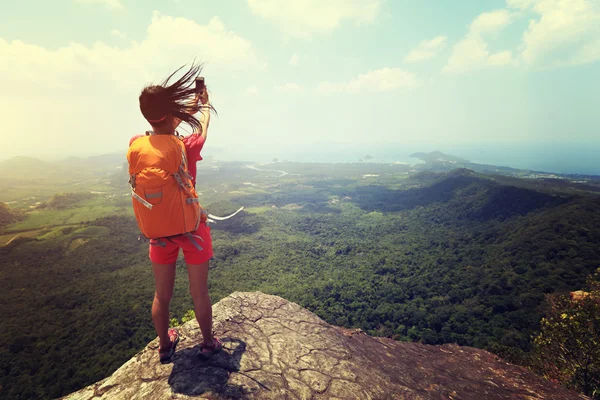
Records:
x=435, y=257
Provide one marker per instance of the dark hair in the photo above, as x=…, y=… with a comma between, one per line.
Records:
x=158, y=101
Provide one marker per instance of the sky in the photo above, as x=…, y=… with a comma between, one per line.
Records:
x=305, y=76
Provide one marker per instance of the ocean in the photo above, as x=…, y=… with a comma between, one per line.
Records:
x=559, y=157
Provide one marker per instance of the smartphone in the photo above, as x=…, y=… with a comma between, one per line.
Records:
x=200, y=84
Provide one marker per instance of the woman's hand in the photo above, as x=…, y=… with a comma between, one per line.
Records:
x=201, y=98
x=204, y=96
x=204, y=112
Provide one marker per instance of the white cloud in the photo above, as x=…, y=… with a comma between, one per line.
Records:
x=565, y=32
x=491, y=22
x=289, y=87
x=118, y=34
x=381, y=80
x=252, y=91
x=472, y=51
x=587, y=53
x=302, y=19
x=111, y=4
x=178, y=36
x=172, y=38
x=294, y=59
x=427, y=49
x=559, y=33
x=501, y=58
x=76, y=83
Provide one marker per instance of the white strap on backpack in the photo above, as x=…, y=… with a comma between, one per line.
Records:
x=212, y=218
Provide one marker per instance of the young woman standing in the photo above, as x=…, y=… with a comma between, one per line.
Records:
x=165, y=106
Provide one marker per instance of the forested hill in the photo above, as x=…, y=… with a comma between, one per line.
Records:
x=438, y=161
x=454, y=257
x=8, y=215
x=466, y=195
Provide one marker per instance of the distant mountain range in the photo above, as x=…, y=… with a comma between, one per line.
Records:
x=23, y=167
x=438, y=161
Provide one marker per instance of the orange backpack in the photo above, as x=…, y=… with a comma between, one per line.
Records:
x=164, y=199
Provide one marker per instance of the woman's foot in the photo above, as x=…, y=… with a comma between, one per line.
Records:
x=165, y=355
x=206, y=351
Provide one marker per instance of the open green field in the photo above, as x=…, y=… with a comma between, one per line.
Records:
x=4, y=239
x=258, y=210
x=56, y=232
x=87, y=210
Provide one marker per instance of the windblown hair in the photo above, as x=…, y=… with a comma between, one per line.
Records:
x=159, y=101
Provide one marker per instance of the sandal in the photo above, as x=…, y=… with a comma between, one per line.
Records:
x=165, y=355
x=206, y=352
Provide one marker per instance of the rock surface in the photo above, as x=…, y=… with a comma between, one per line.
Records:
x=274, y=349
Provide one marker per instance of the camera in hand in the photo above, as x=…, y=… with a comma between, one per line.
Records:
x=200, y=84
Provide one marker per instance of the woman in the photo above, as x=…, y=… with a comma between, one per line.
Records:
x=165, y=107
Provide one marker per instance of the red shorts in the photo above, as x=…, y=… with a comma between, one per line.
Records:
x=166, y=250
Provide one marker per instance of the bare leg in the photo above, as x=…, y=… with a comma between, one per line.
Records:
x=164, y=280
x=198, y=275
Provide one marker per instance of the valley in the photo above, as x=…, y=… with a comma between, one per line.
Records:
x=435, y=255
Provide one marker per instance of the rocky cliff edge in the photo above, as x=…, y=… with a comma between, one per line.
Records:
x=275, y=349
